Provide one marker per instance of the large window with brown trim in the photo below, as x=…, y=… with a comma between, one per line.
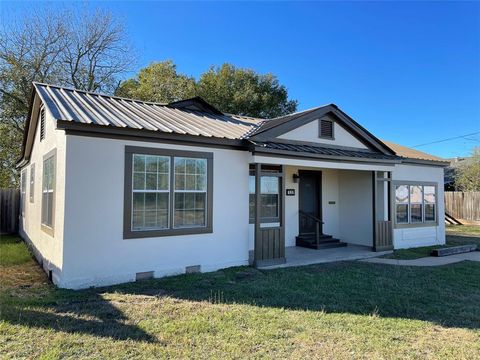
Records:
x=167, y=192
x=415, y=204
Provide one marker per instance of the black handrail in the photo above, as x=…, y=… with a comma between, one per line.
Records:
x=317, y=224
x=310, y=216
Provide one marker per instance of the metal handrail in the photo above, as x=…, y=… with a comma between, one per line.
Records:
x=310, y=216
x=317, y=224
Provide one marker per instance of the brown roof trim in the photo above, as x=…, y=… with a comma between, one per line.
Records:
x=94, y=130
x=425, y=162
x=309, y=156
x=347, y=122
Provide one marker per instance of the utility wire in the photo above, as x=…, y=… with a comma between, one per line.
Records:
x=448, y=139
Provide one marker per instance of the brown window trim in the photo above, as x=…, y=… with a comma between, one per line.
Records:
x=128, y=233
x=268, y=170
x=50, y=230
x=414, y=225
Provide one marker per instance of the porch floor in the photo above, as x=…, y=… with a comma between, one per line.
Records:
x=299, y=256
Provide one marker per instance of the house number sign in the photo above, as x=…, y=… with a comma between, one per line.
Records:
x=290, y=192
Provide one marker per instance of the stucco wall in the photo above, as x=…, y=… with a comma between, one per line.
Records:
x=309, y=132
x=421, y=236
x=95, y=251
x=47, y=249
x=356, y=213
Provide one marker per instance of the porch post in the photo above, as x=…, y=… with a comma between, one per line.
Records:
x=374, y=208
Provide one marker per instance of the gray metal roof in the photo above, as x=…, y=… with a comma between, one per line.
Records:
x=320, y=150
x=91, y=108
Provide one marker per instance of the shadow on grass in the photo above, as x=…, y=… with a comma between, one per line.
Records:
x=28, y=298
x=447, y=295
x=90, y=314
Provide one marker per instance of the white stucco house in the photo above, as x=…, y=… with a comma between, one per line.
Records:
x=115, y=190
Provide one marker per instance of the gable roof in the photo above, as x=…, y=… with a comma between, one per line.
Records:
x=271, y=129
x=77, y=106
x=195, y=121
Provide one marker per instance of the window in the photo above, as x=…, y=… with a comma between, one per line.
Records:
x=150, y=193
x=23, y=189
x=167, y=192
x=32, y=182
x=269, y=196
x=190, y=192
x=415, y=204
x=42, y=124
x=326, y=129
x=48, y=190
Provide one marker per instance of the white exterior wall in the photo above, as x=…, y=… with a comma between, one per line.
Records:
x=47, y=249
x=356, y=208
x=421, y=236
x=309, y=133
x=95, y=252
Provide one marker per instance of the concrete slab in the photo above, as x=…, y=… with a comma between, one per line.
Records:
x=298, y=256
x=429, y=261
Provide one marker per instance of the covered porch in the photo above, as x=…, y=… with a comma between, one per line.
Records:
x=325, y=211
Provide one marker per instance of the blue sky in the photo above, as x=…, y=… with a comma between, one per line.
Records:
x=409, y=72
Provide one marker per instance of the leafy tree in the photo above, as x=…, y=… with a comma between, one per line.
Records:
x=467, y=176
x=245, y=92
x=158, y=82
x=230, y=89
x=84, y=49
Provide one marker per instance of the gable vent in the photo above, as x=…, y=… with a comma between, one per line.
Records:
x=326, y=129
x=42, y=124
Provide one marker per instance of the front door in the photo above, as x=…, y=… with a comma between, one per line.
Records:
x=310, y=193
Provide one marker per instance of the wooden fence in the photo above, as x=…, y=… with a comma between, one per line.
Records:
x=9, y=210
x=463, y=205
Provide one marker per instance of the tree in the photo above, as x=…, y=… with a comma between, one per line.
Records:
x=245, y=92
x=158, y=82
x=84, y=49
x=230, y=89
x=467, y=177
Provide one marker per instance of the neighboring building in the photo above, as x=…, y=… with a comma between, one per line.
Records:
x=116, y=189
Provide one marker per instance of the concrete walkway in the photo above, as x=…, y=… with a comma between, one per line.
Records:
x=429, y=261
x=299, y=256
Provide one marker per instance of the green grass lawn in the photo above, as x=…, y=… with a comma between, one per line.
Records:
x=346, y=310
x=456, y=235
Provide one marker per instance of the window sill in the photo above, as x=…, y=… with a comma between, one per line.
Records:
x=47, y=229
x=162, y=233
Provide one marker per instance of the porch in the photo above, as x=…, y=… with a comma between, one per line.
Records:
x=300, y=256
x=323, y=213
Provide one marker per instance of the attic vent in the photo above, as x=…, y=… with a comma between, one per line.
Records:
x=42, y=124
x=326, y=129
